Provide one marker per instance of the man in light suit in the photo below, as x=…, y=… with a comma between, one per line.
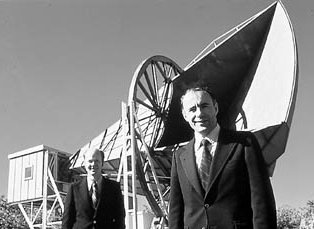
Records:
x=235, y=192
x=94, y=202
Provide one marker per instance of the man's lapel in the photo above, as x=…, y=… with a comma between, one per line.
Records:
x=222, y=153
x=84, y=192
x=188, y=163
x=101, y=192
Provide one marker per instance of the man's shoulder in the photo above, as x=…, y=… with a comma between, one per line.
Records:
x=243, y=137
x=111, y=182
x=183, y=146
x=78, y=181
x=76, y=184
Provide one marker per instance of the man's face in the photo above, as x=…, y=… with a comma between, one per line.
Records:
x=200, y=111
x=93, y=163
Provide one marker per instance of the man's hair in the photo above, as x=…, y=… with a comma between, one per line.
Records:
x=194, y=89
x=102, y=154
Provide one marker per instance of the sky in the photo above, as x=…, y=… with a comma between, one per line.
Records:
x=66, y=66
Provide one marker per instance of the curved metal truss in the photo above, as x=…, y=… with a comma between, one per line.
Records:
x=149, y=99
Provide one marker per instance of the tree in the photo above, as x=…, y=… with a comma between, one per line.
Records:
x=10, y=216
x=307, y=221
x=288, y=218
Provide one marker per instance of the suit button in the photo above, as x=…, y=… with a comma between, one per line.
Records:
x=203, y=227
x=206, y=205
x=94, y=222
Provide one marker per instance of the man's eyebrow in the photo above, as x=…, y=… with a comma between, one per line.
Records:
x=192, y=106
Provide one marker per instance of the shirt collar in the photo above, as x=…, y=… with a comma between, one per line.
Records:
x=90, y=181
x=212, y=137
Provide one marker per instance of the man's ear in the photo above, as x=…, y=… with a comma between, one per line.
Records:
x=216, y=107
x=184, y=115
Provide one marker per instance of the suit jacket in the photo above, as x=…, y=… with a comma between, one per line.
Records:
x=239, y=194
x=79, y=212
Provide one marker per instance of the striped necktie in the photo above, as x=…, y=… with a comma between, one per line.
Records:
x=205, y=163
x=94, y=194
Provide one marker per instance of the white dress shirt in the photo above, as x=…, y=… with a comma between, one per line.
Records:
x=212, y=137
x=90, y=181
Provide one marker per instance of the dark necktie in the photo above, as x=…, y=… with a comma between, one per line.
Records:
x=205, y=163
x=94, y=194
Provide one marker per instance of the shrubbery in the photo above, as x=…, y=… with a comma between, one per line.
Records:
x=10, y=216
x=291, y=218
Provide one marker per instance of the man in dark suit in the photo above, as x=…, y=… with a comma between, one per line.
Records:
x=221, y=182
x=94, y=202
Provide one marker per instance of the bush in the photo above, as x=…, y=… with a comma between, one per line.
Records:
x=10, y=216
x=288, y=218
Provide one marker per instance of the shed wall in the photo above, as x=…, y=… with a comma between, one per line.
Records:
x=25, y=177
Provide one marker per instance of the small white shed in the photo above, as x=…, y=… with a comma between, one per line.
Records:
x=28, y=169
